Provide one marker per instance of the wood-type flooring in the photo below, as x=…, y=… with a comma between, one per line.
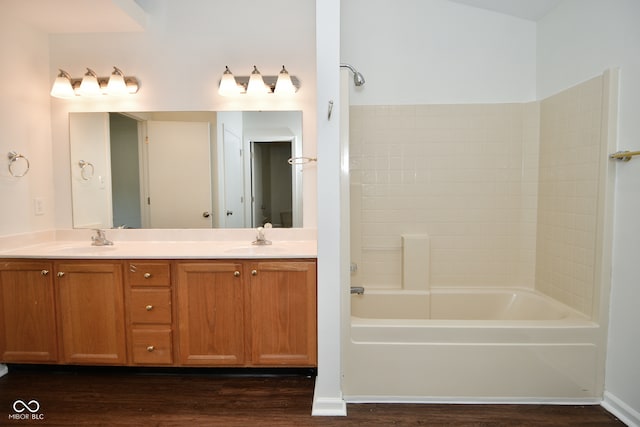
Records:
x=123, y=397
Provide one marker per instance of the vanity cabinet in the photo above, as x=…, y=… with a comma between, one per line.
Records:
x=27, y=312
x=91, y=316
x=210, y=313
x=282, y=311
x=247, y=313
x=149, y=312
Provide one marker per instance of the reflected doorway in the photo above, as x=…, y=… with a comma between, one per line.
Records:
x=271, y=183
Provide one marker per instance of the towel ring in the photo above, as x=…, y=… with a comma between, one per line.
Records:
x=13, y=158
x=84, y=167
x=301, y=160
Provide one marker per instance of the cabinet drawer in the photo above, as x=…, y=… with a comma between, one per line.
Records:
x=152, y=346
x=150, y=306
x=148, y=274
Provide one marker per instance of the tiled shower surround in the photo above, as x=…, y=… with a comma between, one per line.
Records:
x=506, y=193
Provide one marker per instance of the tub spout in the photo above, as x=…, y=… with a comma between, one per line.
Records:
x=359, y=290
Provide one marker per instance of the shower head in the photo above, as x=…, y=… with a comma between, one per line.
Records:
x=358, y=78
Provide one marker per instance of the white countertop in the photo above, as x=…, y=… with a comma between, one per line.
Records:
x=226, y=245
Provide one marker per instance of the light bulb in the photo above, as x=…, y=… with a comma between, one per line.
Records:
x=89, y=85
x=228, y=85
x=62, y=87
x=256, y=84
x=284, y=85
x=117, y=85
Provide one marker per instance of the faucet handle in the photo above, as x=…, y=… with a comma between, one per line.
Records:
x=260, y=237
x=100, y=239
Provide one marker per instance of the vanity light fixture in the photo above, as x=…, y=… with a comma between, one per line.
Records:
x=284, y=85
x=91, y=85
x=62, y=87
x=228, y=84
x=116, y=84
x=256, y=83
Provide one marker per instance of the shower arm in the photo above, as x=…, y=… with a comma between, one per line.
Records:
x=349, y=66
x=358, y=78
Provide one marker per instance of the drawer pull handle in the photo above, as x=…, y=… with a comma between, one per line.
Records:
x=150, y=348
x=149, y=307
x=44, y=272
x=236, y=273
x=147, y=275
x=60, y=273
x=254, y=272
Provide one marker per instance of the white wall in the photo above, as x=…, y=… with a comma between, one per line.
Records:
x=578, y=40
x=436, y=51
x=179, y=60
x=24, y=127
x=91, y=186
x=327, y=399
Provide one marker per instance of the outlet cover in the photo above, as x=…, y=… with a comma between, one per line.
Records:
x=38, y=206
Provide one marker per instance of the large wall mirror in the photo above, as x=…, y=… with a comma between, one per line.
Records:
x=186, y=169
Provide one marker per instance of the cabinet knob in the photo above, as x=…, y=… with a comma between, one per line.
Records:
x=149, y=307
x=254, y=272
x=133, y=268
x=44, y=272
x=147, y=275
x=236, y=273
x=60, y=273
x=150, y=348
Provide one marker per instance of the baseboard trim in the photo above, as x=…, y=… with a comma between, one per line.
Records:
x=473, y=400
x=329, y=407
x=620, y=409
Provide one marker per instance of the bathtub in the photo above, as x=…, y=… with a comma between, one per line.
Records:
x=471, y=346
x=460, y=304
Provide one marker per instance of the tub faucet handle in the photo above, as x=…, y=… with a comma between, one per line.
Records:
x=358, y=290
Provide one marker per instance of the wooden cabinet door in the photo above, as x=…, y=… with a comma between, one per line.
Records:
x=91, y=312
x=282, y=300
x=210, y=313
x=27, y=312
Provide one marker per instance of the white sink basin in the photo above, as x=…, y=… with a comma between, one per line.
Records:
x=83, y=249
x=256, y=249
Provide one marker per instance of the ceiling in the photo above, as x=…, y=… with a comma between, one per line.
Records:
x=531, y=10
x=78, y=16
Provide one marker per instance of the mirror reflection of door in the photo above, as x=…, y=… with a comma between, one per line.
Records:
x=125, y=171
x=271, y=183
x=178, y=156
x=233, y=180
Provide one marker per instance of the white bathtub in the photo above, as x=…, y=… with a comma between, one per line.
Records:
x=460, y=304
x=468, y=345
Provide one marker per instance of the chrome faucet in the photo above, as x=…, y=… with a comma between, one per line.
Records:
x=359, y=290
x=100, y=239
x=260, y=237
